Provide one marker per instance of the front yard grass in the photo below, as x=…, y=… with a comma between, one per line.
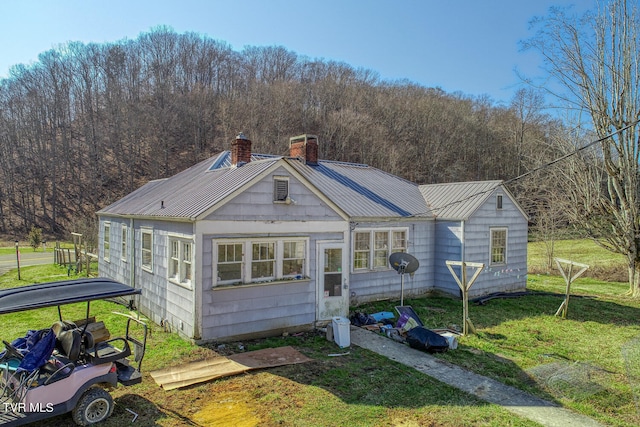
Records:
x=576, y=362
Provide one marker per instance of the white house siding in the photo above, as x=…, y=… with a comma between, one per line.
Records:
x=511, y=276
x=259, y=309
x=448, y=247
x=381, y=284
x=265, y=309
x=115, y=267
x=163, y=301
x=256, y=203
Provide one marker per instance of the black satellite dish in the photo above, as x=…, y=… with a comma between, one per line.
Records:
x=403, y=263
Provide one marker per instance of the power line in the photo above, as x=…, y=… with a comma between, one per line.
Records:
x=553, y=162
x=546, y=165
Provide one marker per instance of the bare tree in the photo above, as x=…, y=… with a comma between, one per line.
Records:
x=596, y=59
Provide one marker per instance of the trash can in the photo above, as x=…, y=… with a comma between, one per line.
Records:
x=341, y=334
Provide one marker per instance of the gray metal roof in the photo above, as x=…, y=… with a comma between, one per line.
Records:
x=188, y=193
x=457, y=200
x=359, y=190
x=364, y=191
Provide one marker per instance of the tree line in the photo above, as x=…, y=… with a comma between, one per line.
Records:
x=88, y=123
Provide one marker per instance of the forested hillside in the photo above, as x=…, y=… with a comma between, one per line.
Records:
x=88, y=123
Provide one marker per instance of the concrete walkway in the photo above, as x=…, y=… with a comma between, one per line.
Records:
x=520, y=403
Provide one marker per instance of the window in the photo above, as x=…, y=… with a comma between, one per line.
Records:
x=185, y=267
x=123, y=253
x=180, y=259
x=498, y=247
x=293, y=259
x=381, y=248
x=174, y=260
x=247, y=261
x=280, y=189
x=499, y=201
x=146, y=249
x=263, y=262
x=371, y=248
x=361, y=251
x=106, y=245
x=399, y=241
x=230, y=265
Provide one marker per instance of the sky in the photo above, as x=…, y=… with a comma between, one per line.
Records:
x=467, y=46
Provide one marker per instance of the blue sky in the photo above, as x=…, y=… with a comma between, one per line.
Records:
x=468, y=46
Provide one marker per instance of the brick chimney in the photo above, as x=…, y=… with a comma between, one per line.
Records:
x=304, y=147
x=240, y=150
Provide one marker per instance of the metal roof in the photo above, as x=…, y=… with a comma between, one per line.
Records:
x=457, y=200
x=364, y=191
x=188, y=193
x=359, y=190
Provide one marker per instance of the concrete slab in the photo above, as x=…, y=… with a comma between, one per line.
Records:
x=514, y=400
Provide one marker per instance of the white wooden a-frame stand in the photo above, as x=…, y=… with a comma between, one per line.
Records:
x=568, y=278
x=464, y=287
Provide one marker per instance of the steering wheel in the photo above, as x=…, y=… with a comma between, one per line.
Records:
x=11, y=350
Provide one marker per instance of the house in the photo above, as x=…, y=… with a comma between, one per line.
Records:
x=479, y=222
x=246, y=245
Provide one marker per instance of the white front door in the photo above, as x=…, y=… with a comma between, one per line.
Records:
x=332, y=281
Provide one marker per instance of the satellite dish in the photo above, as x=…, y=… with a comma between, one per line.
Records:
x=403, y=263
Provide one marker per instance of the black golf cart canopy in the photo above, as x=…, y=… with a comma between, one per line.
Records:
x=59, y=293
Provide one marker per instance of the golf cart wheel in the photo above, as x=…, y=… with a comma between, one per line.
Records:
x=94, y=406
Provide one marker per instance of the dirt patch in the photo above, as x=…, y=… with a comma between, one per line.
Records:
x=228, y=408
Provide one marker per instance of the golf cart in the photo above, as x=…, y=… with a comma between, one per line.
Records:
x=62, y=368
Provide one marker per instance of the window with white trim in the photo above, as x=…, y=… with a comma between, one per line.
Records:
x=499, y=201
x=146, y=249
x=498, y=246
x=280, y=189
x=106, y=242
x=263, y=261
x=230, y=265
x=180, y=260
x=372, y=248
x=361, y=250
x=293, y=256
x=123, y=250
x=254, y=261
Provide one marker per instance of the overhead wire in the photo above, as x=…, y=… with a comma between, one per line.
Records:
x=544, y=166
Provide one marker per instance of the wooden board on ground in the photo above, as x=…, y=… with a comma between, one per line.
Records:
x=218, y=367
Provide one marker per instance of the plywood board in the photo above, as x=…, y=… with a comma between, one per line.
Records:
x=218, y=367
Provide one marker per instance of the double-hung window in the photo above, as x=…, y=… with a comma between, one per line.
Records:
x=230, y=265
x=372, y=248
x=146, y=249
x=123, y=243
x=106, y=241
x=180, y=260
x=498, y=246
x=263, y=261
x=253, y=261
x=293, y=256
x=361, y=245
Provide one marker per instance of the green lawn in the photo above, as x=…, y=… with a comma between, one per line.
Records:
x=603, y=264
x=578, y=362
